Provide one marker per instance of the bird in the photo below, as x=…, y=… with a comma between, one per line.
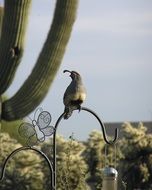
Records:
x=74, y=95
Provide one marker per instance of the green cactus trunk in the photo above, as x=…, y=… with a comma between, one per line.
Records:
x=1, y=18
x=0, y=113
x=37, y=85
x=12, y=39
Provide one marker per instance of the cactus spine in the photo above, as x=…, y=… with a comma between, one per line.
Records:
x=37, y=84
x=12, y=39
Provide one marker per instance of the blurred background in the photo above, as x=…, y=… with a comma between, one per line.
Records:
x=110, y=47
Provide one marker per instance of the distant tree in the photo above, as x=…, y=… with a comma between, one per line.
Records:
x=94, y=153
x=24, y=170
x=71, y=167
x=136, y=164
x=98, y=155
x=79, y=164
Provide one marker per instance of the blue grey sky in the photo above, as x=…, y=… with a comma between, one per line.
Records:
x=111, y=47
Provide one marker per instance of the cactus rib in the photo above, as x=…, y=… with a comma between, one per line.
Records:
x=37, y=84
x=1, y=18
x=12, y=36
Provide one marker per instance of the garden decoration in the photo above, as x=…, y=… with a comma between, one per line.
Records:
x=38, y=129
x=110, y=175
x=32, y=134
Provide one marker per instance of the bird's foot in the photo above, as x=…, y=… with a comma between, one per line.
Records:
x=79, y=108
x=67, y=112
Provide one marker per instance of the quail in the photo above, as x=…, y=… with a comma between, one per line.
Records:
x=74, y=95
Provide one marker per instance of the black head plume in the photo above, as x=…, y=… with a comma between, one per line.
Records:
x=66, y=71
x=73, y=74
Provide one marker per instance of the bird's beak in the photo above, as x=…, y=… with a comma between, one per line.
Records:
x=67, y=71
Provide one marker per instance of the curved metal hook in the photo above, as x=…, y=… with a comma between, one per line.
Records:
x=28, y=148
x=103, y=132
x=103, y=127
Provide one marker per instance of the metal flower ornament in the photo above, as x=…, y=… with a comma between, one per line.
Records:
x=38, y=129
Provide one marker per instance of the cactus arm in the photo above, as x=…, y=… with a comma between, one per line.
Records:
x=12, y=39
x=1, y=18
x=37, y=85
x=0, y=112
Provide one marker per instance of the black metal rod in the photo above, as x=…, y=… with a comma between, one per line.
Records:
x=54, y=148
x=53, y=168
x=28, y=148
x=103, y=129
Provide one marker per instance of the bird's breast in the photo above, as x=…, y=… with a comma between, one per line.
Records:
x=77, y=96
x=82, y=96
x=74, y=93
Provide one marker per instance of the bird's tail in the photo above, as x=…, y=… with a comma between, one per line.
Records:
x=68, y=113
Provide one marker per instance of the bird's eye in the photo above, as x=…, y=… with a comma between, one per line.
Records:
x=72, y=75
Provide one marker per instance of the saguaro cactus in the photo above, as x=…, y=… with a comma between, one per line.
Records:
x=1, y=17
x=37, y=84
x=12, y=39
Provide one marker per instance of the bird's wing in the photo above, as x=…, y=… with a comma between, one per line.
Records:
x=75, y=91
x=73, y=97
x=68, y=95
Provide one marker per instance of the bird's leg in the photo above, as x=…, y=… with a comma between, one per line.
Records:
x=67, y=112
x=79, y=108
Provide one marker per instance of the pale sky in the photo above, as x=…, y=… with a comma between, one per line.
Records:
x=111, y=47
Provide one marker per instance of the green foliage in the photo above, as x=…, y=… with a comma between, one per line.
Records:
x=98, y=155
x=93, y=153
x=80, y=164
x=24, y=170
x=71, y=167
x=136, y=147
x=134, y=155
x=35, y=88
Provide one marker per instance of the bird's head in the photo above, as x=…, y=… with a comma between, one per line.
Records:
x=73, y=74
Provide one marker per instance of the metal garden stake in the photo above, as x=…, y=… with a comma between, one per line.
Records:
x=43, y=125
